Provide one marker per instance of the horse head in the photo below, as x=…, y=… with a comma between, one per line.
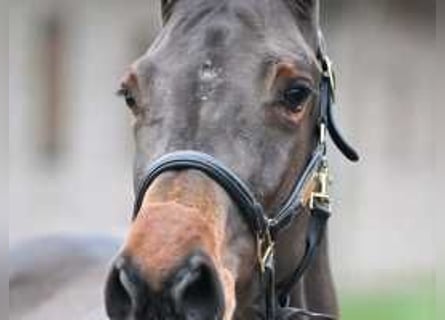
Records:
x=237, y=80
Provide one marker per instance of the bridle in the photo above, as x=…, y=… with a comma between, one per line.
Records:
x=309, y=191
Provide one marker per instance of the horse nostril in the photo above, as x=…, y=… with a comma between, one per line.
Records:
x=121, y=290
x=197, y=292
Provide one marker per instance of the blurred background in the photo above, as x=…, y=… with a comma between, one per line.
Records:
x=71, y=143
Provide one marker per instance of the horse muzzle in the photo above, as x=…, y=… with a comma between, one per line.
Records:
x=192, y=291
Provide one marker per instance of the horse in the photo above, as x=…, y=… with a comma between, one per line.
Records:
x=232, y=106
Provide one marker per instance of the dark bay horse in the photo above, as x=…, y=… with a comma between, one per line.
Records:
x=240, y=84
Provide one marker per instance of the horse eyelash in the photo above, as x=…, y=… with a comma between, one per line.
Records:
x=128, y=95
x=119, y=92
x=122, y=92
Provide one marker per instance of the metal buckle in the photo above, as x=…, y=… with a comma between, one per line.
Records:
x=323, y=181
x=265, y=246
x=328, y=71
x=323, y=132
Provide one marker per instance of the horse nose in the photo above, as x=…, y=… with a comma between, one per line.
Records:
x=197, y=291
x=194, y=291
x=124, y=289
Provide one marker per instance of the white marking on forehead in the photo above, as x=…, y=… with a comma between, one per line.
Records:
x=208, y=72
x=209, y=78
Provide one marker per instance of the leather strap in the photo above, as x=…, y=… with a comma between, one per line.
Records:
x=320, y=214
x=292, y=206
x=240, y=193
x=327, y=104
x=269, y=287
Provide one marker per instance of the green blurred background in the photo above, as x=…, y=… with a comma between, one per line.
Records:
x=412, y=301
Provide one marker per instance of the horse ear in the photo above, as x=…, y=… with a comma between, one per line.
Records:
x=307, y=15
x=306, y=11
x=166, y=8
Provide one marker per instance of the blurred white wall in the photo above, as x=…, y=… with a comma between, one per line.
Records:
x=382, y=227
x=86, y=186
x=384, y=224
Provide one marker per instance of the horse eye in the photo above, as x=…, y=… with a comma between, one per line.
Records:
x=295, y=97
x=130, y=100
